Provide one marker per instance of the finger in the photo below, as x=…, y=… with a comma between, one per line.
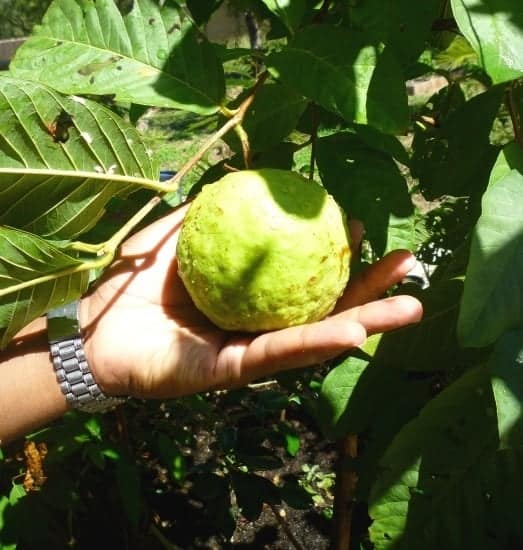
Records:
x=386, y=314
x=290, y=348
x=372, y=283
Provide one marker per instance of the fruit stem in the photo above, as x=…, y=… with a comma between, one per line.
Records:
x=236, y=119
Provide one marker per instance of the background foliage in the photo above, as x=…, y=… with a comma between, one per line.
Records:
x=427, y=420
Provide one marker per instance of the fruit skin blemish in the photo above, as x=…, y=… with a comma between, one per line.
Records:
x=263, y=250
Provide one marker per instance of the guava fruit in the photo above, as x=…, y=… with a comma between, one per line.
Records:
x=264, y=249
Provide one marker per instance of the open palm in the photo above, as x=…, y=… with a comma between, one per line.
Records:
x=145, y=338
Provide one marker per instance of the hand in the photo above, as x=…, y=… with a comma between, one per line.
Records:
x=145, y=338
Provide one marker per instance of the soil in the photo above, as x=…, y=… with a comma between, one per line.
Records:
x=279, y=527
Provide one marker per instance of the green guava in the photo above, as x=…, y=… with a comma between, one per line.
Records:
x=264, y=249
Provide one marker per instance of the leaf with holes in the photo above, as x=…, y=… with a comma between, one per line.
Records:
x=152, y=55
x=432, y=480
x=58, y=185
x=23, y=259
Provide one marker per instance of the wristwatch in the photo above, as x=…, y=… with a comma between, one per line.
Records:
x=70, y=365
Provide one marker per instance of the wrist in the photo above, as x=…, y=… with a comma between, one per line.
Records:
x=73, y=372
x=92, y=326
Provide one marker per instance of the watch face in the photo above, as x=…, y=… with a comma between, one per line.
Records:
x=62, y=322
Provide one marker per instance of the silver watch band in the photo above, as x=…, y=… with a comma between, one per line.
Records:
x=70, y=365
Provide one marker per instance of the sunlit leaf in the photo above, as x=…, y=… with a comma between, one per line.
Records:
x=441, y=478
x=494, y=29
x=493, y=294
x=346, y=73
x=149, y=56
x=506, y=368
x=25, y=257
x=58, y=187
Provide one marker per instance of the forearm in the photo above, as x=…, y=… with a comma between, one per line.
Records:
x=30, y=396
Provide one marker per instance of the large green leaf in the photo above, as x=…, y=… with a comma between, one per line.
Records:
x=506, y=367
x=400, y=24
x=493, y=294
x=24, y=257
x=59, y=187
x=431, y=344
x=344, y=72
x=494, y=29
x=369, y=186
x=149, y=56
x=443, y=483
x=455, y=158
x=345, y=408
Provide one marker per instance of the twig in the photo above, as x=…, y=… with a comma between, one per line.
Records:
x=283, y=524
x=236, y=118
x=314, y=138
x=246, y=146
x=346, y=479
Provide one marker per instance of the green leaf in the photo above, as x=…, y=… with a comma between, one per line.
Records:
x=289, y=12
x=493, y=294
x=390, y=145
x=150, y=56
x=6, y=536
x=272, y=116
x=292, y=438
x=94, y=427
x=201, y=10
x=456, y=158
x=59, y=188
x=509, y=158
x=387, y=102
x=335, y=67
x=129, y=486
x=24, y=257
x=494, y=29
x=435, y=478
x=171, y=456
x=260, y=461
x=252, y=491
x=506, y=368
x=344, y=405
x=16, y=493
x=345, y=408
x=431, y=344
x=369, y=186
x=400, y=24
